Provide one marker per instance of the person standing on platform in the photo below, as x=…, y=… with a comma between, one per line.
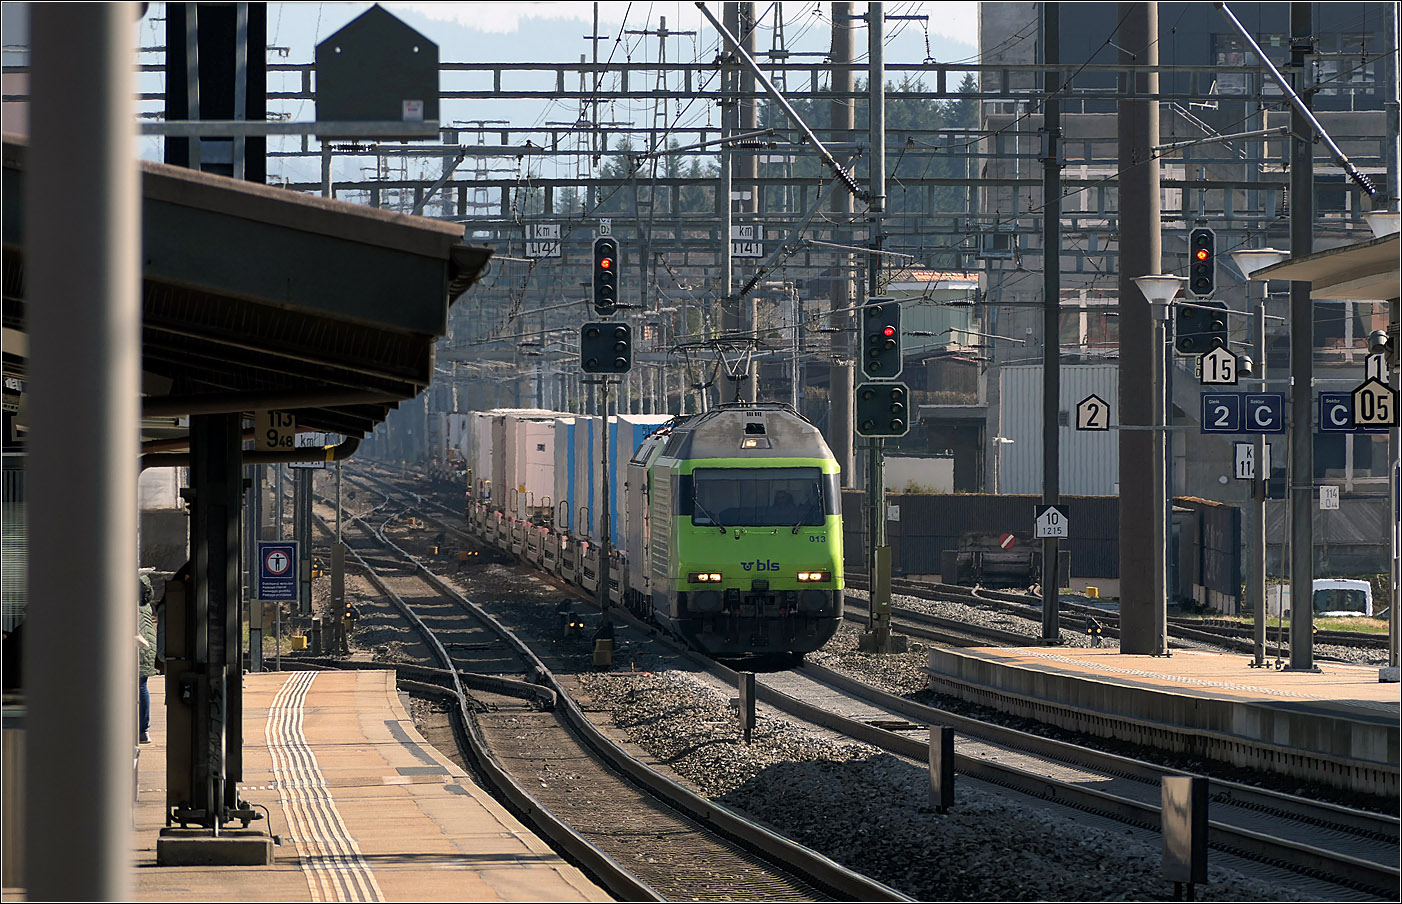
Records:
x=147, y=660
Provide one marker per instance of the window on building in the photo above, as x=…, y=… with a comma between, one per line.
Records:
x=1330, y=454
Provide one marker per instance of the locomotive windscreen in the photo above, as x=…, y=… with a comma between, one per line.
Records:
x=760, y=497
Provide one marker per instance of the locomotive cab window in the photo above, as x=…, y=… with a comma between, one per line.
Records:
x=760, y=497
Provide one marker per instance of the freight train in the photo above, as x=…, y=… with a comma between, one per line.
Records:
x=724, y=528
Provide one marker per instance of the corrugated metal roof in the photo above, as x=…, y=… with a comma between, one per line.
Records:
x=928, y=276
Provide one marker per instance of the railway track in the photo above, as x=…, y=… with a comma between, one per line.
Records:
x=1228, y=636
x=644, y=836
x=1352, y=847
x=1327, y=845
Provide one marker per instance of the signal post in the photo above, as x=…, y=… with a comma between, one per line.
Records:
x=605, y=347
x=882, y=409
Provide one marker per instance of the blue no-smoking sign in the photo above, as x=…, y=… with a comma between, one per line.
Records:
x=277, y=569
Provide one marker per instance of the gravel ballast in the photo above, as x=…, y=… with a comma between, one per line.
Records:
x=869, y=809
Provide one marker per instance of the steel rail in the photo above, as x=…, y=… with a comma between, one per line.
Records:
x=1335, y=866
x=1020, y=604
x=610, y=872
x=1332, y=865
x=822, y=870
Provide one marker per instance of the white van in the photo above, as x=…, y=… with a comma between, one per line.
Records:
x=1340, y=599
x=1333, y=598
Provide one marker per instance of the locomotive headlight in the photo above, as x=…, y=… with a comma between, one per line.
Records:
x=818, y=576
x=704, y=577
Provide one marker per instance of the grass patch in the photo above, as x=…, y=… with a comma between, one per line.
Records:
x=1356, y=625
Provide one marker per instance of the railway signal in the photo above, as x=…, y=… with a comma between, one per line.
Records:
x=1200, y=327
x=606, y=348
x=883, y=409
x=881, y=332
x=605, y=275
x=1202, y=266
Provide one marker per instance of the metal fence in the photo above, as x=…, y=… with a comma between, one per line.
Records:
x=922, y=526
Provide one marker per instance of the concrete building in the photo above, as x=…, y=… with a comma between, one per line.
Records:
x=1235, y=186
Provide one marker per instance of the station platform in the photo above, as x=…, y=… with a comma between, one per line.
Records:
x=365, y=808
x=1337, y=725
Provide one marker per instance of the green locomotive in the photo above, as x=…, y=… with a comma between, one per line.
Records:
x=739, y=547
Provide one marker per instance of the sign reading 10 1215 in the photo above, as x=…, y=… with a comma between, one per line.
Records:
x=1051, y=523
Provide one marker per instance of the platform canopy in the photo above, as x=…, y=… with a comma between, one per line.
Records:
x=261, y=298
x=1364, y=271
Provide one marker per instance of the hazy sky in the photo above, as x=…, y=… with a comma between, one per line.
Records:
x=556, y=32
x=952, y=20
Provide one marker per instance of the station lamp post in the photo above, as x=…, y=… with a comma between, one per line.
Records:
x=1249, y=262
x=998, y=443
x=1160, y=292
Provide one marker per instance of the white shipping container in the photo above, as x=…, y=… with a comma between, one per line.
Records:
x=513, y=472
x=501, y=497
x=627, y=437
x=534, y=452
x=457, y=434
x=563, y=498
x=596, y=481
x=503, y=465
x=586, y=432
x=480, y=457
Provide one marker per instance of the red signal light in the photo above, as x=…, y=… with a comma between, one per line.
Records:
x=888, y=332
x=1202, y=254
x=605, y=263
